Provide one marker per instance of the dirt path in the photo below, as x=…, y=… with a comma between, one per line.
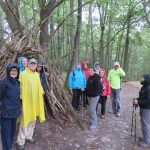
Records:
x=112, y=133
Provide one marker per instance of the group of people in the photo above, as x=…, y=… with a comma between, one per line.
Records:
x=21, y=96
x=23, y=88
x=93, y=86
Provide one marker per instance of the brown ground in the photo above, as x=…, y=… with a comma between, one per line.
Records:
x=112, y=133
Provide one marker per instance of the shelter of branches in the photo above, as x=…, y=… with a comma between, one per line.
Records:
x=57, y=102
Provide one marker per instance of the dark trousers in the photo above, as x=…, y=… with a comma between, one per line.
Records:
x=76, y=98
x=8, y=130
x=103, y=104
x=85, y=98
x=102, y=100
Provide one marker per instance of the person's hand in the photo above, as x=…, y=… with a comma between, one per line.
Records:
x=82, y=89
x=135, y=101
x=71, y=91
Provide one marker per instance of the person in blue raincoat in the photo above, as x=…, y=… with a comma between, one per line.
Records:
x=10, y=105
x=22, y=63
x=76, y=84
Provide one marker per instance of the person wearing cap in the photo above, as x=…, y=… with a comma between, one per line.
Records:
x=10, y=104
x=22, y=63
x=42, y=74
x=114, y=76
x=32, y=104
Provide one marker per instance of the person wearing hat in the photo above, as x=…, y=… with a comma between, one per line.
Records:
x=32, y=104
x=114, y=76
x=10, y=106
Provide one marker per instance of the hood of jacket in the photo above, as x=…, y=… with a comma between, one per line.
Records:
x=146, y=79
x=21, y=67
x=9, y=67
x=84, y=63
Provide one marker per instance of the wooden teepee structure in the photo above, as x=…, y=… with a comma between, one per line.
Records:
x=57, y=102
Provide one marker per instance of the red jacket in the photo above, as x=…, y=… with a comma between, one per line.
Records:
x=85, y=70
x=106, y=84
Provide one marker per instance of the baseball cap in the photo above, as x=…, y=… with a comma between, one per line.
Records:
x=34, y=61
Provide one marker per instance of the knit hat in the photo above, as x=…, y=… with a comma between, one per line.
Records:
x=116, y=64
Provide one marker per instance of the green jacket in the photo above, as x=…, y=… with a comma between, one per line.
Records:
x=114, y=76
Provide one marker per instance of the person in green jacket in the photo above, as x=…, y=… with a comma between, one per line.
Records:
x=114, y=76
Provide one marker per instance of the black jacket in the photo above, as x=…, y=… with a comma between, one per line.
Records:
x=144, y=94
x=10, y=96
x=94, y=86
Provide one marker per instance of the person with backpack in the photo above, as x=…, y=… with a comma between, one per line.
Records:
x=86, y=72
x=106, y=92
x=32, y=104
x=94, y=89
x=10, y=105
x=144, y=103
x=76, y=84
x=114, y=77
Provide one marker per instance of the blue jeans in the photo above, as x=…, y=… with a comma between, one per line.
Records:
x=92, y=105
x=8, y=130
x=145, y=123
x=115, y=97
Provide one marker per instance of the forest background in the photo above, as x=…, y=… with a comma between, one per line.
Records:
x=92, y=30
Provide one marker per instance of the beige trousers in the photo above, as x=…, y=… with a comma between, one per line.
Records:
x=25, y=133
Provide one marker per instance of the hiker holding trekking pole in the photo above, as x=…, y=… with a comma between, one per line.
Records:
x=144, y=103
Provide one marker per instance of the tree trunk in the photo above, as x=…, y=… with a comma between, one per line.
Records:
x=11, y=9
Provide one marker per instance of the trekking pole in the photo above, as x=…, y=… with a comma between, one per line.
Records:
x=82, y=105
x=132, y=121
x=135, y=124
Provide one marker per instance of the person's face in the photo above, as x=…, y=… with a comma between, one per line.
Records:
x=101, y=73
x=91, y=72
x=85, y=65
x=78, y=65
x=97, y=66
x=24, y=62
x=33, y=66
x=39, y=68
x=14, y=73
x=116, y=67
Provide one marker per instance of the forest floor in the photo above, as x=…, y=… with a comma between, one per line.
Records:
x=112, y=133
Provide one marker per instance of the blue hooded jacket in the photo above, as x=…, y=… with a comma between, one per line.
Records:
x=10, y=95
x=77, y=79
x=21, y=67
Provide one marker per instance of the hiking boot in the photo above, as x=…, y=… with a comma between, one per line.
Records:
x=118, y=114
x=144, y=145
x=20, y=147
x=32, y=141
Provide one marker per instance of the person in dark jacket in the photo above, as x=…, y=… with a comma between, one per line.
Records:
x=42, y=74
x=144, y=103
x=10, y=105
x=94, y=89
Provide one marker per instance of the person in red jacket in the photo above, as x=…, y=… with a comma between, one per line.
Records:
x=106, y=92
x=85, y=69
